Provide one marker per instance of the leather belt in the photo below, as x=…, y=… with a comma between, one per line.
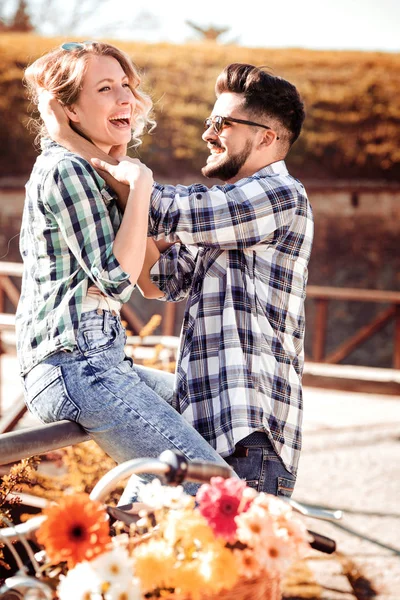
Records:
x=255, y=439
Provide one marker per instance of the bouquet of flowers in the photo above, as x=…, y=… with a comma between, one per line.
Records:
x=229, y=542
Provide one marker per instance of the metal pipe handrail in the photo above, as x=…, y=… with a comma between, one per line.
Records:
x=23, y=443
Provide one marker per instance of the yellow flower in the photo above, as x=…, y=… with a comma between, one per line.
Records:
x=189, y=580
x=154, y=563
x=187, y=528
x=210, y=572
x=218, y=567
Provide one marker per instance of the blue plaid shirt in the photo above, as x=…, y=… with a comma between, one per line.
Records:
x=68, y=228
x=241, y=354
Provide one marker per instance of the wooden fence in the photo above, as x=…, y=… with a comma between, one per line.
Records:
x=322, y=296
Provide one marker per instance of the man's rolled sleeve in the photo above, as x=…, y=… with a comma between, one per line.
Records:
x=173, y=272
x=234, y=216
x=73, y=196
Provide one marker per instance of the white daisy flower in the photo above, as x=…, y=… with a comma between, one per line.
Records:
x=129, y=592
x=114, y=567
x=159, y=496
x=80, y=583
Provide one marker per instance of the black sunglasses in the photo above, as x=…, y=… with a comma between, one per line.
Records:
x=71, y=46
x=218, y=123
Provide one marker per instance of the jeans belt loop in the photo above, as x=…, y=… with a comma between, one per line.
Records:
x=106, y=322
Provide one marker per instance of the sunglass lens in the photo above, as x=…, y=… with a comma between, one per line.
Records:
x=218, y=124
x=71, y=46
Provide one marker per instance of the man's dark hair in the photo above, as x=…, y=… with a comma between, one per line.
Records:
x=264, y=94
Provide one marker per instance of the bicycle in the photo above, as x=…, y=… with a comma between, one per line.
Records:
x=173, y=469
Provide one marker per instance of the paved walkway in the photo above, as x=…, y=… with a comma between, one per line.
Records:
x=350, y=461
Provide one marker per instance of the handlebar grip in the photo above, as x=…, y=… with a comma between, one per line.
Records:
x=203, y=472
x=322, y=543
x=179, y=469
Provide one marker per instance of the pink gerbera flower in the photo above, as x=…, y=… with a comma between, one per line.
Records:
x=220, y=502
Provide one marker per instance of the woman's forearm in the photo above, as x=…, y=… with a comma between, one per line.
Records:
x=129, y=246
x=144, y=282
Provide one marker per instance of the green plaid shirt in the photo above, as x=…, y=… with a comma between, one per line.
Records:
x=69, y=223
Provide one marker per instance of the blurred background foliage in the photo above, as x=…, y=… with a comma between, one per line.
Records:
x=353, y=106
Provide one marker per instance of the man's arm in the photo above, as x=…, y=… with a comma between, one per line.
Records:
x=59, y=129
x=254, y=210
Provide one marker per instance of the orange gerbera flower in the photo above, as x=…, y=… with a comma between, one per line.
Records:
x=76, y=529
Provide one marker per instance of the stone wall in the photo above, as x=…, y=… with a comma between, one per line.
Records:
x=356, y=245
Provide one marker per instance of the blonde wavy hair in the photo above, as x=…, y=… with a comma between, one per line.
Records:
x=62, y=72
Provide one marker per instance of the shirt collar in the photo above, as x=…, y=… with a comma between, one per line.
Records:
x=46, y=142
x=276, y=168
x=107, y=191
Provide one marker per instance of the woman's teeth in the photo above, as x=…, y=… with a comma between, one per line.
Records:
x=120, y=120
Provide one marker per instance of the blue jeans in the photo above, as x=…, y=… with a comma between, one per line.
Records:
x=125, y=409
x=256, y=461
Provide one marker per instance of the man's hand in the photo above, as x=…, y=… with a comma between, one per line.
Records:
x=53, y=114
x=128, y=170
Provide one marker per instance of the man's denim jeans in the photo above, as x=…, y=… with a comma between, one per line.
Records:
x=263, y=469
x=125, y=409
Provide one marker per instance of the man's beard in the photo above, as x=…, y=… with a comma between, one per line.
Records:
x=230, y=166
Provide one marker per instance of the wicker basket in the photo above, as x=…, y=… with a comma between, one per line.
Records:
x=262, y=588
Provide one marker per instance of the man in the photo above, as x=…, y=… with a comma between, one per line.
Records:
x=238, y=378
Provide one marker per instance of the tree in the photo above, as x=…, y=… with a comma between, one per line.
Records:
x=209, y=33
x=21, y=21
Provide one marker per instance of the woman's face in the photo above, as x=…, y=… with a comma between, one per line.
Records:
x=104, y=109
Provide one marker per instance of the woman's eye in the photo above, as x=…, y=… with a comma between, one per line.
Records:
x=105, y=88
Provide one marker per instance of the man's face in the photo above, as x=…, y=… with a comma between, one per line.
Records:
x=231, y=150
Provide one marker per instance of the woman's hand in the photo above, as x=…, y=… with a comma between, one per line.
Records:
x=128, y=170
x=53, y=115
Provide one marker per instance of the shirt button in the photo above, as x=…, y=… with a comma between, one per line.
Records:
x=198, y=196
x=95, y=271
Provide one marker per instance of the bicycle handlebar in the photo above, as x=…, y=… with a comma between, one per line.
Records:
x=174, y=469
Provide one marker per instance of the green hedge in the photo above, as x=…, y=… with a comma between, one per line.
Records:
x=353, y=106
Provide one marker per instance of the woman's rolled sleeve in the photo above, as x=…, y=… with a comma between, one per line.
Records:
x=113, y=281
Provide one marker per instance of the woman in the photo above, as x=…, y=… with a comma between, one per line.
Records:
x=81, y=262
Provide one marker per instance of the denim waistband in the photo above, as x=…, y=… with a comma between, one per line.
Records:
x=99, y=316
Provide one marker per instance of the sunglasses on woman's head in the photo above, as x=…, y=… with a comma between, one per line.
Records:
x=71, y=46
x=218, y=123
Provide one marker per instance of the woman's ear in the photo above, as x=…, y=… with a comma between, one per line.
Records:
x=72, y=114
